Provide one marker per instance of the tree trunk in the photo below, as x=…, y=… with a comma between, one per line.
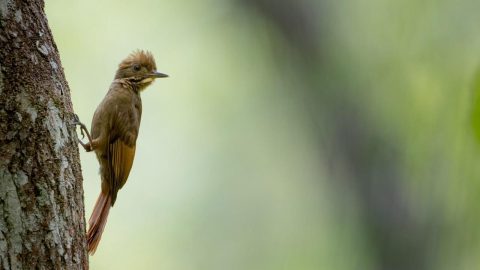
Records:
x=42, y=221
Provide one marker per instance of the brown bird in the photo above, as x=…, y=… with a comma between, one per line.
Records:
x=114, y=133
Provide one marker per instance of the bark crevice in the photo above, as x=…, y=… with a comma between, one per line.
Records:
x=42, y=221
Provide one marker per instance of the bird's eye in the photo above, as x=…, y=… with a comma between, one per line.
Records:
x=136, y=67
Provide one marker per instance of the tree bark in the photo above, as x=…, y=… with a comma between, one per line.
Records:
x=42, y=221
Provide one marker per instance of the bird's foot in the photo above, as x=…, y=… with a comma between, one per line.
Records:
x=83, y=130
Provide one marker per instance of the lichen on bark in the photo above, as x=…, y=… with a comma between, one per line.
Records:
x=42, y=223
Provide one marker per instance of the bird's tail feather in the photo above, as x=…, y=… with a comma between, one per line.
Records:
x=97, y=221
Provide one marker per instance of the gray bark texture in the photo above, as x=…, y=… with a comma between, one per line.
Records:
x=42, y=221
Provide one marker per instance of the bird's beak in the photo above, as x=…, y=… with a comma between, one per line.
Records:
x=157, y=74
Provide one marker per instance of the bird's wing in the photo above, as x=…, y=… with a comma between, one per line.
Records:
x=121, y=146
x=123, y=121
x=120, y=157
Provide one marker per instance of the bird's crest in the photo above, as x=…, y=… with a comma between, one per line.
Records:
x=139, y=57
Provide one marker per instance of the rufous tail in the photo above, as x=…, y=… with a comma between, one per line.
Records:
x=97, y=222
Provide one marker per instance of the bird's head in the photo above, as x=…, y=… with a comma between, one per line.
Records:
x=139, y=69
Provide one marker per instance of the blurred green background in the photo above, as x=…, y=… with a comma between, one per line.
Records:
x=310, y=134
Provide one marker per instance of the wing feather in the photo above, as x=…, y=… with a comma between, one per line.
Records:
x=121, y=160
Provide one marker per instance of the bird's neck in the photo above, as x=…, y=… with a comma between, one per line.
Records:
x=132, y=85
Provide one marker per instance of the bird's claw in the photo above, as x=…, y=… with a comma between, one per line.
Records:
x=83, y=134
x=83, y=130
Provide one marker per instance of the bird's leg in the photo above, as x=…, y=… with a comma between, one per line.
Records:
x=87, y=146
